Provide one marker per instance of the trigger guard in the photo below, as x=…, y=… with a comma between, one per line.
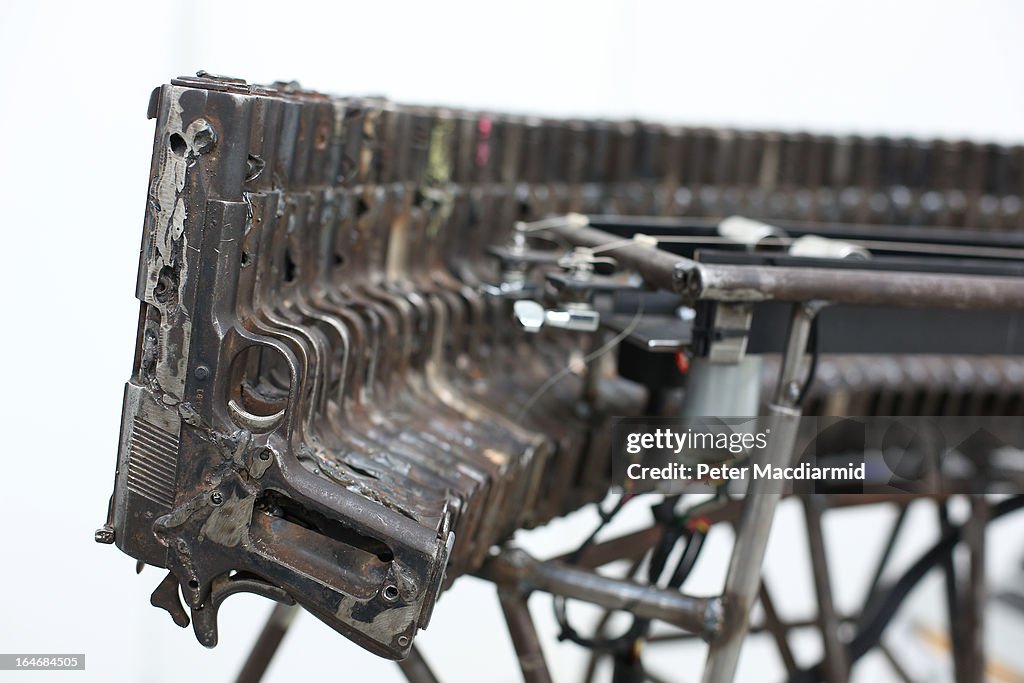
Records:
x=204, y=619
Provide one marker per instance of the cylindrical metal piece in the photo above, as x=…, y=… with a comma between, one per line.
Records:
x=524, y=636
x=415, y=668
x=516, y=567
x=785, y=283
x=265, y=647
x=657, y=267
x=850, y=286
x=744, y=577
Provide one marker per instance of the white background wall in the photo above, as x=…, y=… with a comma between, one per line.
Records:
x=74, y=154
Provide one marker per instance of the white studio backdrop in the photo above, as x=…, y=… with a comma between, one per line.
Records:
x=74, y=158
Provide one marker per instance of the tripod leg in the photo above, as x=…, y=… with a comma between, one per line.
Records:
x=524, y=637
x=266, y=644
x=416, y=669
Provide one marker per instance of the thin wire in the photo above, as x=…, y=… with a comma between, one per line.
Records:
x=594, y=355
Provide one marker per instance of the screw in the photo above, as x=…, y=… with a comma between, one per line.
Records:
x=201, y=372
x=217, y=498
x=105, y=534
x=403, y=641
x=264, y=453
x=390, y=593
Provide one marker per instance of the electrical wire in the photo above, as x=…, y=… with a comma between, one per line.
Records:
x=814, y=345
x=592, y=356
x=566, y=631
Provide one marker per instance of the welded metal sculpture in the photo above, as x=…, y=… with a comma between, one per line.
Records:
x=373, y=341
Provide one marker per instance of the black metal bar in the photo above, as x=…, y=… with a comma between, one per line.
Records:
x=415, y=668
x=751, y=283
x=656, y=226
x=773, y=624
x=267, y=644
x=756, y=629
x=836, y=664
x=898, y=668
x=627, y=546
x=883, y=561
x=956, y=624
x=524, y=636
x=602, y=626
x=973, y=595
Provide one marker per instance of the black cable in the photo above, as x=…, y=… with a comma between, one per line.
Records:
x=628, y=666
x=566, y=631
x=814, y=346
x=674, y=529
x=688, y=560
x=871, y=631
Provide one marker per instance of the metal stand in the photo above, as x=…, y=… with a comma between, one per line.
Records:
x=266, y=645
x=744, y=577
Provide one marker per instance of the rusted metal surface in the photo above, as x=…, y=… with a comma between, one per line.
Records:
x=332, y=405
x=514, y=568
x=753, y=283
x=864, y=288
x=322, y=407
x=524, y=636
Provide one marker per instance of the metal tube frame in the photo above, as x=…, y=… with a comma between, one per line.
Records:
x=809, y=289
x=724, y=620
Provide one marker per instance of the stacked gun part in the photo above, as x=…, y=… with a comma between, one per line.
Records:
x=336, y=400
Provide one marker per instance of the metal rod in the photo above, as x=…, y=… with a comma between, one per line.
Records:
x=524, y=636
x=756, y=629
x=890, y=657
x=773, y=624
x=883, y=561
x=415, y=668
x=657, y=267
x=836, y=664
x=744, y=575
x=267, y=644
x=973, y=596
x=722, y=282
x=625, y=547
x=850, y=286
x=602, y=626
x=957, y=640
x=931, y=249
x=514, y=567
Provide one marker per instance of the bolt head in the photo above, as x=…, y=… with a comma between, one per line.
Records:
x=217, y=498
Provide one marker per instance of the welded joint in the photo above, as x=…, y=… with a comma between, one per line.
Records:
x=714, y=619
x=686, y=277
